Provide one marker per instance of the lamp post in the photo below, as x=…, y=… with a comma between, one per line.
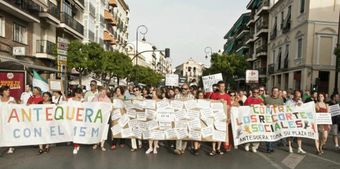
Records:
x=142, y=29
x=336, y=62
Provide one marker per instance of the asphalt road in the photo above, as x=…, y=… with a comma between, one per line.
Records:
x=61, y=157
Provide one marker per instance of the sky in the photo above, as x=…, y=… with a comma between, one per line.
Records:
x=187, y=27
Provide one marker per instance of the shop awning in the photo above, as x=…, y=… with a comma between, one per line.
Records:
x=17, y=65
x=257, y=3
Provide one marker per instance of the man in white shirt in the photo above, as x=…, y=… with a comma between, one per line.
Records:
x=26, y=95
x=89, y=95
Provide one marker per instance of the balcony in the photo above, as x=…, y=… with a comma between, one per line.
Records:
x=261, y=51
x=109, y=18
x=91, y=36
x=80, y=3
x=72, y=23
x=271, y=69
x=262, y=71
x=45, y=48
x=52, y=12
x=109, y=38
x=264, y=7
x=26, y=10
x=113, y=3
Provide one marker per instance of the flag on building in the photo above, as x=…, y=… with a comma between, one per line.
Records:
x=40, y=82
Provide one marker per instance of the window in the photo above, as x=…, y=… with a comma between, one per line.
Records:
x=302, y=6
x=19, y=33
x=275, y=22
x=2, y=26
x=274, y=54
x=299, y=48
x=282, y=19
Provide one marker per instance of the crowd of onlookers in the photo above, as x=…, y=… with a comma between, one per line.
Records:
x=257, y=95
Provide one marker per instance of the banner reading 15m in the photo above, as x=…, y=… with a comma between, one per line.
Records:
x=84, y=123
x=271, y=123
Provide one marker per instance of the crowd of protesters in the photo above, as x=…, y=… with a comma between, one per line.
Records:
x=255, y=96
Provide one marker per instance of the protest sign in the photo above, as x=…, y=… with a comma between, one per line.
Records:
x=171, y=79
x=334, y=110
x=174, y=120
x=208, y=81
x=56, y=85
x=252, y=76
x=83, y=123
x=267, y=124
x=323, y=118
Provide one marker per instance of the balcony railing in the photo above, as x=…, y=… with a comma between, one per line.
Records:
x=53, y=10
x=262, y=25
x=261, y=49
x=27, y=6
x=81, y=2
x=45, y=46
x=68, y=20
x=91, y=36
x=262, y=71
x=271, y=69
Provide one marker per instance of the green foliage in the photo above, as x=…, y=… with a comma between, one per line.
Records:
x=115, y=64
x=230, y=66
x=77, y=56
x=145, y=75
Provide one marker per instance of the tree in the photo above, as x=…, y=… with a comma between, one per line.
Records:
x=77, y=57
x=115, y=64
x=229, y=65
x=145, y=75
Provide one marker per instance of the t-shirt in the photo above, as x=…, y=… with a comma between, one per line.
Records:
x=273, y=101
x=251, y=101
x=10, y=100
x=25, y=96
x=219, y=96
x=35, y=100
x=89, y=95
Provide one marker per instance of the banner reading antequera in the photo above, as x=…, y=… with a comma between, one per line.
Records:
x=272, y=123
x=84, y=123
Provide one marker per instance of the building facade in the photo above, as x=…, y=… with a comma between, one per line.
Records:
x=190, y=70
x=301, y=44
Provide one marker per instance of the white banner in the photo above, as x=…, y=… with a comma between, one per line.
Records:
x=208, y=81
x=83, y=123
x=323, y=118
x=261, y=123
x=171, y=80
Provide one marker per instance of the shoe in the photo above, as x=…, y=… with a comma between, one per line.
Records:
x=103, y=148
x=300, y=151
x=113, y=147
x=182, y=151
x=95, y=147
x=155, y=151
x=291, y=150
x=178, y=152
x=219, y=152
x=75, y=151
x=196, y=152
x=47, y=149
x=133, y=150
x=140, y=146
x=253, y=149
x=148, y=151
x=212, y=153
x=41, y=151
x=10, y=151
x=246, y=147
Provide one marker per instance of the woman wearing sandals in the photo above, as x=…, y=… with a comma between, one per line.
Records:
x=7, y=99
x=322, y=107
x=101, y=97
x=47, y=99
x=153, y=144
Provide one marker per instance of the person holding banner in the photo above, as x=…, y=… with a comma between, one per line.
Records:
x=26, y=94
x=47, y=99
x=118, y=94
x=335, y=121
x=184, y=95
x=275, y=100
x=7, y=99
x=36, y=98
x=296, y=101
x=78, y=98
x=153, y=144
x=196, y=144
x=101, y=97
x=137, y=95
x=89, y=95
x=254, y=99
x=322, y=107
x=224, y=97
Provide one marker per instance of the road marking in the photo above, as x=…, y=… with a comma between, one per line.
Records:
x=274, y=164
x=325, y=159
x=292, y=160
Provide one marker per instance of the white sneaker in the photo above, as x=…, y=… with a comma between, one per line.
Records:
x=291, y=150
x=246, y=147
x=75, y=151
x=300, y=151
x=155, y=151
x=148, y=151
x=253, y=149
x=10, y=150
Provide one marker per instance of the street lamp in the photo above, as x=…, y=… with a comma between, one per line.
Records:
x=208, y=51
x=142, y=29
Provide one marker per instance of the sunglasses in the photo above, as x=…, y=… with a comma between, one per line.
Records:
x=184, y=88
x=92, y=84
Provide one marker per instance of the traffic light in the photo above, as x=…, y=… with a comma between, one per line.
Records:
x=167, y=52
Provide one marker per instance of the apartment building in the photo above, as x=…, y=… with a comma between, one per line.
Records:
x=303, y=36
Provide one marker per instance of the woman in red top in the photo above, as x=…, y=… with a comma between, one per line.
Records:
x=36, y=98
x=322, y=107
x=254, y=99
